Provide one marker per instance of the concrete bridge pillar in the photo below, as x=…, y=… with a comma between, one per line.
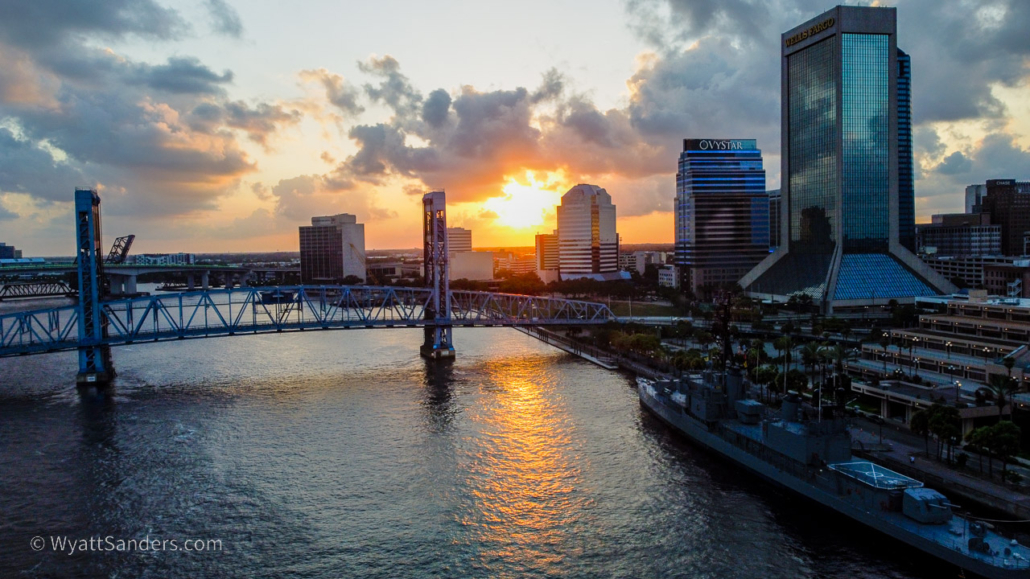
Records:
x=204, y=280
x=130, y=285
x=191, y=282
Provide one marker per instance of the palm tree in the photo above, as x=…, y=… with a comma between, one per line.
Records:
x=920, y=424
x=809, y=357
x=1001, y=387
x=757, y=348
x=783, y=346
x=885, y=343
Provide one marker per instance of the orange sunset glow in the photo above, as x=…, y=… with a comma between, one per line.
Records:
x=526, y=205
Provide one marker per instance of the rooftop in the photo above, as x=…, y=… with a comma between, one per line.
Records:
x=875, y=475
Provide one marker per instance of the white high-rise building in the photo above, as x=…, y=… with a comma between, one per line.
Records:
x=332, y=248
x=587, y=241
x=547, y=251
x=459, y=240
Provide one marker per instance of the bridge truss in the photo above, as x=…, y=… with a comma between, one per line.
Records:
x=35, y=289
x=242, y=311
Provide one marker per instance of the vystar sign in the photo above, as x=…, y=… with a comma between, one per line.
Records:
x=719, y=145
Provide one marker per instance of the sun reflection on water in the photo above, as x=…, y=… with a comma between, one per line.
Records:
x=523, y=470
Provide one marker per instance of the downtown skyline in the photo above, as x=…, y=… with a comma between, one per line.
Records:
x=221, y=126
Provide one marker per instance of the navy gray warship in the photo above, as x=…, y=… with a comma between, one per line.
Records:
x=812, y=457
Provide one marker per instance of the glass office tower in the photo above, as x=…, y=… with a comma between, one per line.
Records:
x=906, y=172
x=840, y=168
x=722, y=212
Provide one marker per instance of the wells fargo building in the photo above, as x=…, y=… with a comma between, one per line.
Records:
x=840, y=168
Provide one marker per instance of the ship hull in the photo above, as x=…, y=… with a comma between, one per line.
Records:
x=700, y=434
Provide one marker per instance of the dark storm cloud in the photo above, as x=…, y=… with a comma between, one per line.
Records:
x=225, y=18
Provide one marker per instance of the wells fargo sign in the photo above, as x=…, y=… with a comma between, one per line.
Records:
x=824, y=25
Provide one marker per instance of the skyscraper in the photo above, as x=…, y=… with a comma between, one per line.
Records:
x=459, y=239
x=722, y=212
x=906, y=174
x=775, y=226
x=840, y=168
x=588, y=245
x=1008, y=203
x=547, y=251
x=332, y=248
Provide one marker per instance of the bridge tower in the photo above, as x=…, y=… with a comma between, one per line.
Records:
x=95, y=365
x=438, y=342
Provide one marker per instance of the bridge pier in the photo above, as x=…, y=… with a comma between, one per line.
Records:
x=123, y=284
x=438, y=344
x=95, y=365
x=204, y=278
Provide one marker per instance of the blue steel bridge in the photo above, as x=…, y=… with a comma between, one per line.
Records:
x=98, y=322
x=244, y=311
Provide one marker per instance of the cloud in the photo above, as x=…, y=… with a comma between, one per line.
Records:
x=340, y=94
x=5, y=214
x=955, y=164
x=299, y=198
x=996, y=156
x=168, y=138
x=225, y=18
x=160, y=140
x=182, y=75
x=23, y=163
x=42, y=24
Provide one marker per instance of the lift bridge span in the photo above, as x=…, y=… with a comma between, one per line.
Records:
x=97, y=322
x=244, y=311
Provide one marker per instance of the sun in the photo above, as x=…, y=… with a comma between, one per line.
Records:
x=524, y=206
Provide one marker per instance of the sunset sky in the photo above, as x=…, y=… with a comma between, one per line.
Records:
x=222, y=125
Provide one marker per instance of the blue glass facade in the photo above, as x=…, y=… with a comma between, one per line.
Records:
x=811, y=147
x=722, y=211
x=865, y=179
x=906, y=172
x=876, y=276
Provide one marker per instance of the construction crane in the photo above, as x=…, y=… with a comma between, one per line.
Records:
x=120, y=249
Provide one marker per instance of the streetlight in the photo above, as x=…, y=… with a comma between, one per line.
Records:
x=951, y=372
x=986, y=350
x=948, y=346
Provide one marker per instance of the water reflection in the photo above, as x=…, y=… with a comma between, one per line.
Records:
x=97, y=416
x=522, y=508
x=438, y=400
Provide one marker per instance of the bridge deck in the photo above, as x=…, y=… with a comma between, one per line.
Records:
x=229, y=312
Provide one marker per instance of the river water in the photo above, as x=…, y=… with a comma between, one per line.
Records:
x=343, y=454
